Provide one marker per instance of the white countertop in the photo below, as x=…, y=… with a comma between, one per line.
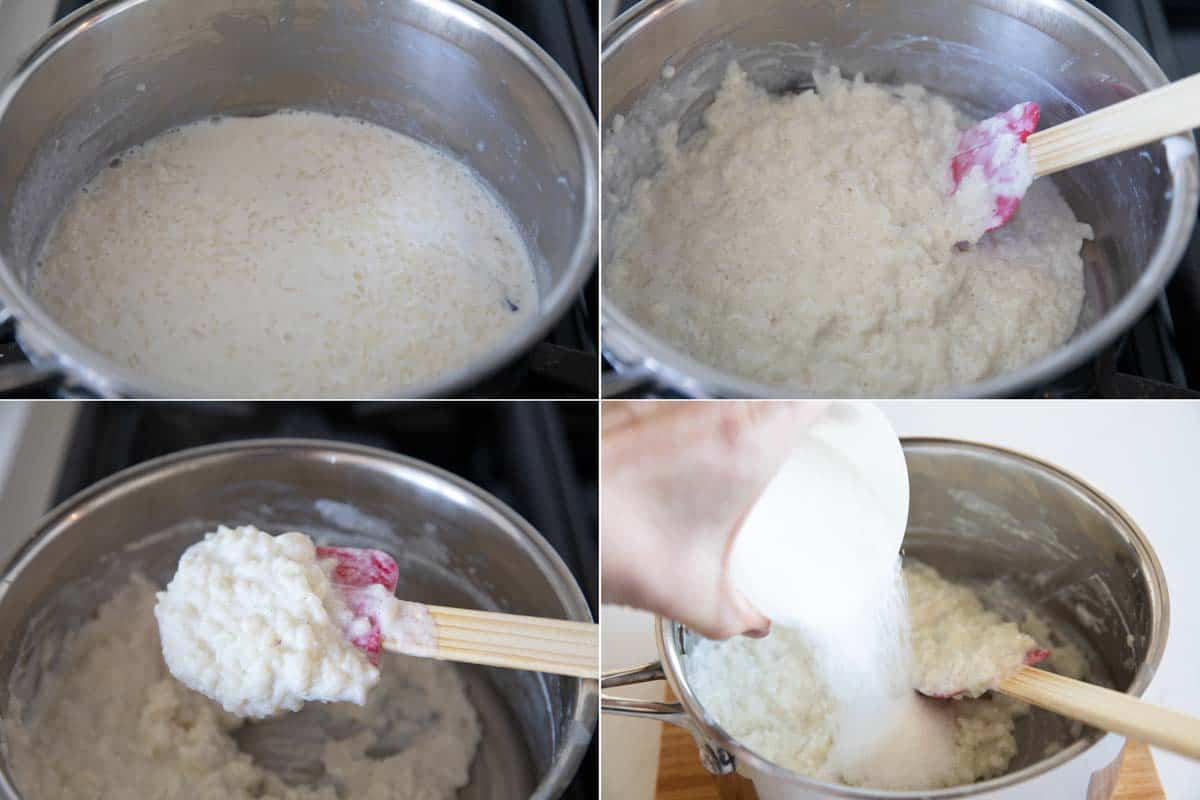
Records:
x=1144, y=455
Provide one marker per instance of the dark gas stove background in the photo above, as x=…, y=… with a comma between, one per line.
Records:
x=566, y=363
x=1170, y=30
x=541, y=458
x=1160, y=356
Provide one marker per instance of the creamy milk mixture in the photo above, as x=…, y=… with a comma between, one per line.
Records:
x=254, y=622
x=110, y=722
x=812, y=241
x=770, y=694
x=297, y=254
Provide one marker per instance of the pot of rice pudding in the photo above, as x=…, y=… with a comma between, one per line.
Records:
x=88, y=708
x=205, y=198
x=986, y=526
x=776, y=209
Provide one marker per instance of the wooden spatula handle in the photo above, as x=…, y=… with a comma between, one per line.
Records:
x=1106, y=709
x=557, y=646
x=1165, y=111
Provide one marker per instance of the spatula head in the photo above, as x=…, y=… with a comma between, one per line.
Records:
x=1032, y=657
x=356, y=574
x=996, y=146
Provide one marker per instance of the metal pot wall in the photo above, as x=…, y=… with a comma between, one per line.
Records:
x=978, y=513
x=455, y=544
x=608, y=11
x=446, y=72
x=984, y=55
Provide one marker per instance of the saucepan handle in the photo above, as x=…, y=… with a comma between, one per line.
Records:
x=715, y=759
x=625, y=381
x=646, y=709
x=23, y=376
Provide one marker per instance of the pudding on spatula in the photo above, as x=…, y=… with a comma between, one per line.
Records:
x=997, y=159
x=255, y=622
x=960, y=648
x=264, y=623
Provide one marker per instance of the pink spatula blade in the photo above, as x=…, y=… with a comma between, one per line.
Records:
x=356, y=571
x=1035, y=656
x=995, y=145
x=361, y=567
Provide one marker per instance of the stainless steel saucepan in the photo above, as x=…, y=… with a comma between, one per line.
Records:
x=977, y=514
x=984, y=54
x=455, y=545
x=446, y=72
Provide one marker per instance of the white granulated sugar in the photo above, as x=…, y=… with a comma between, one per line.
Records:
x=254, y=622
x=820, y=552
x=297, y=254
x=110, y=722
x=830, y=692
x=771, y=695
x=810, y=241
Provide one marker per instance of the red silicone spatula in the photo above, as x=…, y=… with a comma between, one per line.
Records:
x=355, y=572
x=1035, y=656
x=1095, y=705
x=558, y=646
x=1007, y=154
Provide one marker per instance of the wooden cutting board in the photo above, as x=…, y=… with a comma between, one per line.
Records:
x=681, y=776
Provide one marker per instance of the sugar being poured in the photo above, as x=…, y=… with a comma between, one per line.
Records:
x=819, y=553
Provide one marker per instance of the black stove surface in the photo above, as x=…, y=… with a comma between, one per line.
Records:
x=540, y=458
x=1160, y=356
x=566, y=363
